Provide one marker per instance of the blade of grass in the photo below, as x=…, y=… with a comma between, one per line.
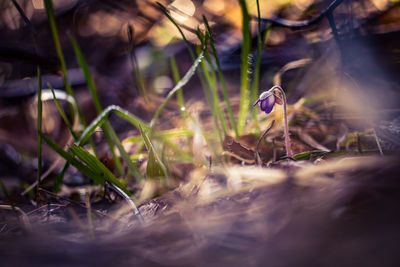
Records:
x=60, y=178
x=132, y=167
x=96, y=100
x=164, y=137
x=137, y=75
x=211, y=79
x=74, y=162
x=211, y=101
x=179, y=93
x=62, y=113
x=54, y=95
x=256, y=78
x=155, y=167
x=177, y=87
x=99, y=120
x=187, y=43
x=95, y=165
x=166, y=134
x=39, y=130
x=200, y=74
x=179, y=152
x=221, y=79
x=54, y=32
x=244, y=83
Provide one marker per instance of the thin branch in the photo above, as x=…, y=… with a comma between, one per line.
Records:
x=302, y=23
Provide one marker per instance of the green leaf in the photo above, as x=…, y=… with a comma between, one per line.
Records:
x=73, y=161
x=96, y=166
x=155, y=167
x=244, y=84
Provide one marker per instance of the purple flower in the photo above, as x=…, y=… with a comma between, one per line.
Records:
x=267, y=101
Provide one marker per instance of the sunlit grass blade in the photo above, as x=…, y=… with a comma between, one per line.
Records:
x=73, y=161
x=155, y=166
x=256, y=78
x=39, y=130
x=54, y=32
x=95, y=164
x=86, y=73
x=132, y=167
x=177, y=87
x=95, y=97
x=187, y=43
x=211, y=79
x=179, y=94
x=244, y=83
x=166, y=134
x=137, y=75
x=179, y=153
x=221, y=79
x=62, y=113
x=55, y=95
x=99, y=120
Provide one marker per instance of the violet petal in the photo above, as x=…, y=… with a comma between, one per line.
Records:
x=267, y=104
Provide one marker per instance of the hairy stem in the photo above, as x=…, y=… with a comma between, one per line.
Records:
x=286, y=125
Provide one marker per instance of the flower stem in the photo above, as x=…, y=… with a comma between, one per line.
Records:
x=286, y=125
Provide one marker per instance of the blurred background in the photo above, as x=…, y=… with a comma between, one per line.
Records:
x=355, y=74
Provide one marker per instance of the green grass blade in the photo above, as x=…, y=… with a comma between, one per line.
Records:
x=132, y=167
x=60, y=178
x=54, y=32
x=155, y=166
x=212, y=102
x=96, y=100
x=39, y=130
x=177, y=87
x=164, y=137
x=62, y=113
x=222, y=80
x=254, y=90
x=99, y=120
x=209, y=73
x=136, y=74
x=179, y=94
x=244, y=83
x=86, y=73
x=95, y=164
x=187, y=43
x=55, y=95
x=256, y=79
x=74, y=162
